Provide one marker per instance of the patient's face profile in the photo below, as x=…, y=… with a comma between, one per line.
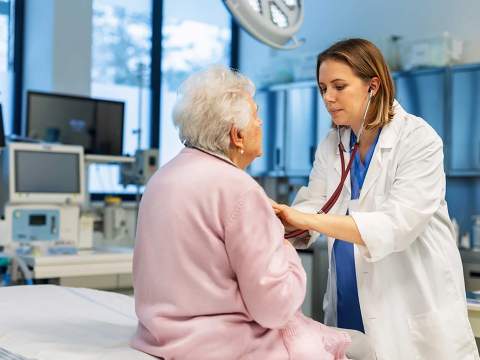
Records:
x=253, y=133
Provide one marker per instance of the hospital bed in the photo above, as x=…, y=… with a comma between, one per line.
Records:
x=48, y=322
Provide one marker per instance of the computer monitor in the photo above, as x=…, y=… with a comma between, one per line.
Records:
x=95, y=124
x=47, y=174
x=2, y=131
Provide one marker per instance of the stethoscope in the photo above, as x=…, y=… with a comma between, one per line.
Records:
x=345, y=170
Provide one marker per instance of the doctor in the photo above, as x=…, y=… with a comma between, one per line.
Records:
x=395, y=272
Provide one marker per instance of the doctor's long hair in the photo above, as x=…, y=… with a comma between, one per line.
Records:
x=366, y=61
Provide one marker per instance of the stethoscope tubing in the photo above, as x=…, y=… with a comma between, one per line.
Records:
x=336, y=194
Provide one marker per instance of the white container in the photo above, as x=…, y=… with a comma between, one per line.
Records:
x=85, y=238
x=435, y=51
x=456, y=231
x=465, y=241
x=304, y=66
x=476, y=232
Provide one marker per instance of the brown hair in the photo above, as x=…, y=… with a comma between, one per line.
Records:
x=366, y=61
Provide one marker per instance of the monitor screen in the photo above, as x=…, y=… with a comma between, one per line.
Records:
x=2, y=131
x=47, y=172
x=95, y=124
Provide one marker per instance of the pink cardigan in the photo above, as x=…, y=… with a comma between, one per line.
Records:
x=212, y=274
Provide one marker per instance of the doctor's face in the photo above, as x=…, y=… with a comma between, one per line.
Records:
x=344, y=93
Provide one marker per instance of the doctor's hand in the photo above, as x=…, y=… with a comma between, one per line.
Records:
x=272, y=202
x=291, y=218
x=288, y=227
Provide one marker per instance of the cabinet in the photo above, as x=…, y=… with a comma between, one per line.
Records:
x=448, y=98
x=278, y=133
x=300, y=130
x=315, y=261
x=294, y=120
x=266, y=111
x=324, y=120
x=464, y=129
x=424, y=93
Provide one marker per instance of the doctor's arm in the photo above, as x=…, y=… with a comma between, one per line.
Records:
x=311, y=198
x=417, y=191
x=336, y=226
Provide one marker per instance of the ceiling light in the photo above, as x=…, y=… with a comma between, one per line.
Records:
x=273, y=22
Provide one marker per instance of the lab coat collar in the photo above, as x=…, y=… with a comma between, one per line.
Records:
x=345, y=136
x=388, y=138
x=390, y=132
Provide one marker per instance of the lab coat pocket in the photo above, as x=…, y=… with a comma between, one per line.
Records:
x=442, y=335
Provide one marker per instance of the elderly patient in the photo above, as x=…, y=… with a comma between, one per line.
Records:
x=213, y=276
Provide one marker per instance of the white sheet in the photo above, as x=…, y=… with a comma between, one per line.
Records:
x=48, y=322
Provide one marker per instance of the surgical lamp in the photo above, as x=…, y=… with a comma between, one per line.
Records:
x=273, y=22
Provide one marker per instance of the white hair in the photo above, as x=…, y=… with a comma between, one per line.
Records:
x=209, y=103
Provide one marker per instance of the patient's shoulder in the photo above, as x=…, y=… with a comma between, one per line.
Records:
x=194, y=174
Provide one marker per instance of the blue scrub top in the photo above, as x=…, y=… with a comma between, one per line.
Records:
x=349, y=315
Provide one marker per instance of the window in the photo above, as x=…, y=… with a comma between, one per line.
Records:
x=194, y=36
x=6, y=61
x=121, y=64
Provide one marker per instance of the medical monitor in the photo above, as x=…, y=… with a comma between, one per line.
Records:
x=95, y=124
x=48, y=174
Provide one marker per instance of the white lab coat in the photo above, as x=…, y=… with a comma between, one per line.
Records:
x=409, y=274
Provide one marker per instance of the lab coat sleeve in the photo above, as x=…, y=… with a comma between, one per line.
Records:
x=269, y=272
x=311, y=198
x=416, y=194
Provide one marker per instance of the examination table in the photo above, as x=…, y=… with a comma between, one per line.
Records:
x=48, y=322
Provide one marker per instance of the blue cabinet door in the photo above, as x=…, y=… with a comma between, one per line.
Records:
x=465, y=119
x=279, y=131
x=300, y=126
x=266, y=111
x=423, y=93
x=324, y=120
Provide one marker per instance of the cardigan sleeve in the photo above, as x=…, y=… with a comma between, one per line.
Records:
x=270, y=275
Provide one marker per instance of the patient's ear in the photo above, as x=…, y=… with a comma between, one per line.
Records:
x=236, y=138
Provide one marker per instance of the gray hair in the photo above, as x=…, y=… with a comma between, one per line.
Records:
x=209, y=103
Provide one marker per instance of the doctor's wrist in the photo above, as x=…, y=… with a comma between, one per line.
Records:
x=310, y=221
